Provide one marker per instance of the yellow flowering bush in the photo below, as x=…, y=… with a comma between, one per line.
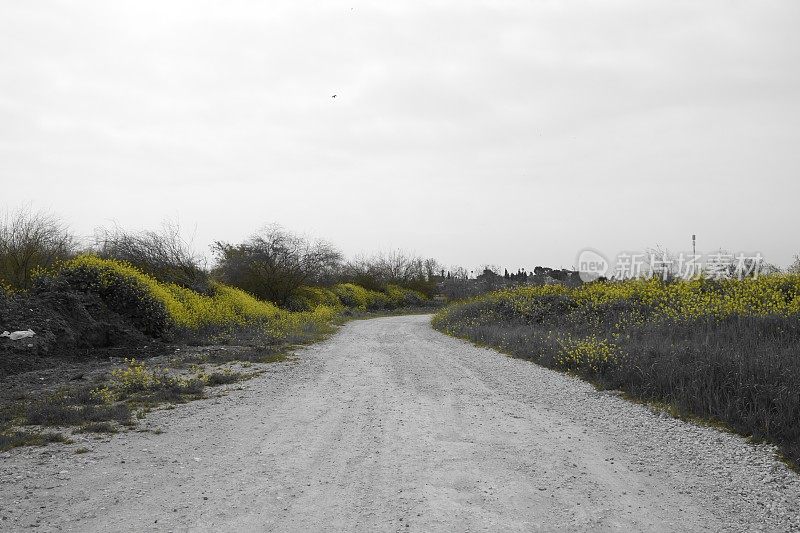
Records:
x=155, y=306
x=309, y=298
x=357, y=297
x=397, y=296
x=591, y=355
x=765, y=296
x=136, y=377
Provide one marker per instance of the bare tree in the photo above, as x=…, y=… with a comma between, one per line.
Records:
x=362, y=271
x=460, y=273
x=457, y=284
x=30, y=239
x=794, y=268
x=273, y=263
x=397, y=267
x=661, y=263
x=164, y=254
x=432, y=268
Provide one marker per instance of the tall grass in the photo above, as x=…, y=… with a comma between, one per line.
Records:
x=726, y=350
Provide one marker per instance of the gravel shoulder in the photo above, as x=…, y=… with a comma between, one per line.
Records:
x=392, y=426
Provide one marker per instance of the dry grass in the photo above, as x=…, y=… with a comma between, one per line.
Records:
x=14, y=438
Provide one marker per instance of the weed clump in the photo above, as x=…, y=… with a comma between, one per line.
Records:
x=223, y=378
x=69, y=408
x=13, y=439
x=141, y=385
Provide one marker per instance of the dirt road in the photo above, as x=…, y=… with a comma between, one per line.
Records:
x=391, y=426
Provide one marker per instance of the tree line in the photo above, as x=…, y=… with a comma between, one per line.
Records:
x=272, y=263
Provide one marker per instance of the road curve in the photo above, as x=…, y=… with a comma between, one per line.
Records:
x=392, y=426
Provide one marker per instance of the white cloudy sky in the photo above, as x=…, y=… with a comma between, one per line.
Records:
x=513, y=133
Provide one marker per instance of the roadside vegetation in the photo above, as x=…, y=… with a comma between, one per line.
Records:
x=273, y=288
x=114, y=401
x=727, y=351
x=142, y=292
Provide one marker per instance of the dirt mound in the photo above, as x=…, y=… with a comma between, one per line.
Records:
x=66, y=322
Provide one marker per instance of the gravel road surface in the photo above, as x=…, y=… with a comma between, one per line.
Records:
x=392, y=426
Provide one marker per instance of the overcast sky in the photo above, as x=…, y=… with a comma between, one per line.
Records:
x=513, y=133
